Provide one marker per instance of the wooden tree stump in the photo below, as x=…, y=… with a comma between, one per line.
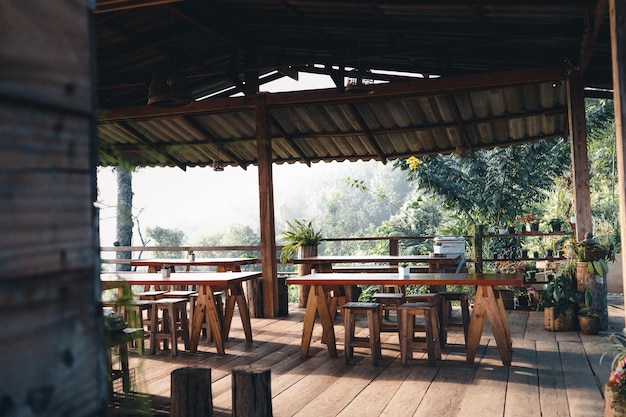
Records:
x=191, y=393
x=252, y=394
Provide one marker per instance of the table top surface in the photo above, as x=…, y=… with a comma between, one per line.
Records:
x=412, y=279
x=109, y=280
x=379, y=258
x=197, y=261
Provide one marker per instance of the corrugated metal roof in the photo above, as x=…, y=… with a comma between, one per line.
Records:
x=398, y=120
x=228, y=47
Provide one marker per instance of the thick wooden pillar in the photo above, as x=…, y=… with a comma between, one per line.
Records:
x=617, y=11
x=266, y=199
x=580, y=161
x=52, y=348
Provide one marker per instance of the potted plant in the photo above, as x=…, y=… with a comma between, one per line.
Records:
x=615, y=389
x=556, y=223
x=591, y=270
x=511, y=226
x=300, y=236
x=299, y=233
x=558, y=301
x=589, y=317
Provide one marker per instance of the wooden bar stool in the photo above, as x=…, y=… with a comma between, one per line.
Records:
x=446, y=303
x=408, y=312
x=373, y=313
x=173, y=324
x=389, y=301
x=430, y=297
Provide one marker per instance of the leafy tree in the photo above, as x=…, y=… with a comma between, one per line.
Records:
x=603, y=168
x=167, y=237
x=492, y=185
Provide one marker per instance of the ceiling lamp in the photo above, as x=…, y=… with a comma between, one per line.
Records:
x=217, y=167
x=359, y=85
x=168, y=89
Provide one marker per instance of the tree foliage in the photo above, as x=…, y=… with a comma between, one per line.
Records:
x=492, y=186
x=167, y=237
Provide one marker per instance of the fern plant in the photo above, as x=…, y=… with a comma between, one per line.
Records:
x=298, y=233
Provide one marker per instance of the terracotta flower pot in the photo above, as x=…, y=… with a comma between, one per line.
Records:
x=589, y=324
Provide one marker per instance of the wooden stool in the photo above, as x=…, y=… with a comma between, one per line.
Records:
x=446, y=303
x=150, y=295
x=337, y=297
x=133, y=315
x=174, y=324
x=408, y=311
x=389, y=301
x=373, y=312
x=430, y=297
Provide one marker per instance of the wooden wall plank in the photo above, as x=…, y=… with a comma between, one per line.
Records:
x=46, y=53
x=52, y=350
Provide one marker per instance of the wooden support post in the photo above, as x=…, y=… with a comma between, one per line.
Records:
x=580, y=160
x=191, y=393
x=269, y=296
x=618, y=48
x=252, y=394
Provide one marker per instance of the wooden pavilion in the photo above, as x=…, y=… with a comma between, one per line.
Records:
x=411, y=79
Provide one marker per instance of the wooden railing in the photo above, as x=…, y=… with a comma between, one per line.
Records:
x=138, y=251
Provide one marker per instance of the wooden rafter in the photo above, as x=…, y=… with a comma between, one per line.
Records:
x=107, y=6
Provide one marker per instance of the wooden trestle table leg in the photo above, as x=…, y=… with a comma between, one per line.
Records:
x=206, y=305
x=488, y=304
x=235, y=294
x=317, y=304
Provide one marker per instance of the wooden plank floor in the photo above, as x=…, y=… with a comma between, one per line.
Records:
x=553, y=374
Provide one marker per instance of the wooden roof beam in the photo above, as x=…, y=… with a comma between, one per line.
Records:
x=107, y=6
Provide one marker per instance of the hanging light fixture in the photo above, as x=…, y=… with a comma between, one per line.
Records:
x=168, y=88
x=217, y=166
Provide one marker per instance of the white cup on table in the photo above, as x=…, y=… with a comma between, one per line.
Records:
x=403, y=272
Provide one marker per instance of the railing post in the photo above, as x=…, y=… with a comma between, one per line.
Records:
x=393, y=246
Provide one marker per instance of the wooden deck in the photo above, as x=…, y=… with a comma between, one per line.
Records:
x=553, y=374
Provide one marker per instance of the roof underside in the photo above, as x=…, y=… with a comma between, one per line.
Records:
x=496, y=74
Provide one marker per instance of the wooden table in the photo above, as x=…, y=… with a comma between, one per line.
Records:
x=435, y=263
x=222, y=264
x=487, y=304
x=207, y=283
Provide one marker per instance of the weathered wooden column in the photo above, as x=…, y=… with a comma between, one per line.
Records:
x=52, y=349
x=191, y=393
x=251, y=391
x=580, y=161
x=617, y=13
x=266, y=201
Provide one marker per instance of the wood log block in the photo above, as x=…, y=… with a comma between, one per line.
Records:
x=252, y=394
x=191, y=393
